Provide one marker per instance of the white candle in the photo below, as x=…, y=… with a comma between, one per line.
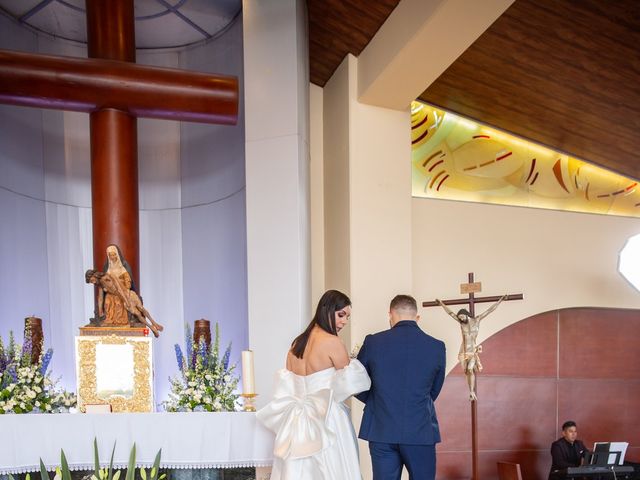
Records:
x=248, y=378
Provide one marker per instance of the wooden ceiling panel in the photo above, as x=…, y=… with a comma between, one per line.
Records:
x=564, y=73
x=338, y=27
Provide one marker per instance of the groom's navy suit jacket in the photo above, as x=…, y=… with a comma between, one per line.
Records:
x=406, y=367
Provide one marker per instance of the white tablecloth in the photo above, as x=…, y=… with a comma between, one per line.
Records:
x=188, y=440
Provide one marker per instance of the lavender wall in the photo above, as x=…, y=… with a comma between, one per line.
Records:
x=213, y=205
x=192, y=227
x=24, y=286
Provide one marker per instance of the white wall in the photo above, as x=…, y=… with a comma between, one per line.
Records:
x=336, y=204
x=367, y=212
x=214, y=238
x=277, y=177
x=316, y=192
x=24, y=276
x=556, y=259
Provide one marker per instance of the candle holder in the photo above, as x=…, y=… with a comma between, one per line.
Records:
x=249, y=401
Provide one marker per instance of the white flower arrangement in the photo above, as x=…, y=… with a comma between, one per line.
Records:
x=25, y=386
x=206, y=382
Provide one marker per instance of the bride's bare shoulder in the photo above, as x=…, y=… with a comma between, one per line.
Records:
x=324, y=336
x=330, y=344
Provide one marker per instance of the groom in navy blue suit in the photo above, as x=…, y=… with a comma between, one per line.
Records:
x=406, y=367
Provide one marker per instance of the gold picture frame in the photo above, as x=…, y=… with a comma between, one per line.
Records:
x=115, y=370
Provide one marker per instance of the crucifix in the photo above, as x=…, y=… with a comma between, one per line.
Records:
x=469, y=351
x=114, y=90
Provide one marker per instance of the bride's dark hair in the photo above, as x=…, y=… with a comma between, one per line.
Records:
x=331, y=302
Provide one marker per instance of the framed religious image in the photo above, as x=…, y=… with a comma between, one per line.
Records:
x=115, y=371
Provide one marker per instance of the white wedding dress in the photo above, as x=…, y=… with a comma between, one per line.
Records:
x=315, y=439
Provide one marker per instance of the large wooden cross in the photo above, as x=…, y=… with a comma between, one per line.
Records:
x=115, y=91
x=471, y=288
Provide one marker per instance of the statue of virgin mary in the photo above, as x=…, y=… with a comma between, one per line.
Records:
x=111, y=306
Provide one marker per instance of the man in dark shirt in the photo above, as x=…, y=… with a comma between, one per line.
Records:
x=566, y=451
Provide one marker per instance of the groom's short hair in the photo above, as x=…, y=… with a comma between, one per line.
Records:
x=404, y=302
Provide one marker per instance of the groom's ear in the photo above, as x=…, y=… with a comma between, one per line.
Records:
x=417, y=318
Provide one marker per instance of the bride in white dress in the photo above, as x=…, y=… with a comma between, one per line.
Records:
x=315, y=439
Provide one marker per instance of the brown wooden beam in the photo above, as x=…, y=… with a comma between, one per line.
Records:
x=88, y=85
x=114, y=186
x=111, y=30
x=465, y=301
x=114, y=138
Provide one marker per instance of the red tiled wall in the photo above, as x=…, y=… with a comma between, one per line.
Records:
x=579, y=364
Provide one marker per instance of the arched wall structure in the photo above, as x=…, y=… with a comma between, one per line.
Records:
x=192, y=212
x=569, y=364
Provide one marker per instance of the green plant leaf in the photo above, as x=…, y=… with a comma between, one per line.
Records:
x=116, y=476
x=164, y=475
x=43, y=471
x=131, y=469
x=96, y=459
x=10, y=476
x=143, y=474
x=156, y=464
x=66, y=473
x=27, y=476
x=113, y=451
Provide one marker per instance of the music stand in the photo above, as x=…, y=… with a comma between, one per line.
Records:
x=602, y=453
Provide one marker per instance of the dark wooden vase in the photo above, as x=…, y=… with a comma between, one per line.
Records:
x=202, y=329
x=33, y=328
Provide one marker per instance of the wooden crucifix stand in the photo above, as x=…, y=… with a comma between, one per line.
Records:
x=471, y=288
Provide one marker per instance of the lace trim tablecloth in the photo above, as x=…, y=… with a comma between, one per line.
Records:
x=188, y=440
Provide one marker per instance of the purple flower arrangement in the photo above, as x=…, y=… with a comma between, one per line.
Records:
x=206, y=382
x=25, y=385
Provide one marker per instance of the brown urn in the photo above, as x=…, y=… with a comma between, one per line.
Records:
x=33, y=328
x=202, y=329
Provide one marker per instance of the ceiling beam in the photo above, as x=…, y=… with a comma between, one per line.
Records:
x=419, y=40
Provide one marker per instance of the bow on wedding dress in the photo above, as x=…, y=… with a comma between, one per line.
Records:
x=300, y=423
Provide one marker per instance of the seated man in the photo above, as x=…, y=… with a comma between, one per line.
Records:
x=567, y=451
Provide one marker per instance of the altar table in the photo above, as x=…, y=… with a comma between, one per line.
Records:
x=187, y=440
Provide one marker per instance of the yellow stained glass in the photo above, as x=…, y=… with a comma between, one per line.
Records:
x=457, y=159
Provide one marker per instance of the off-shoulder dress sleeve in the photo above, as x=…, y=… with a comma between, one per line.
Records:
x=350, y=380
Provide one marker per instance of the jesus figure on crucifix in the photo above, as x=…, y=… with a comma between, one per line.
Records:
x=469, y=355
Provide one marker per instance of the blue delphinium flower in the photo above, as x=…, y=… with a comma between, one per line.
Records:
x=207, y=381
x=191, y=358
x=202, y=351
x=27, y=348
x=225, y=359
x=4, y=359
x=25, y=374
x=179, y=357
x=12, y=373
x=45, y=362
x=13, y=348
